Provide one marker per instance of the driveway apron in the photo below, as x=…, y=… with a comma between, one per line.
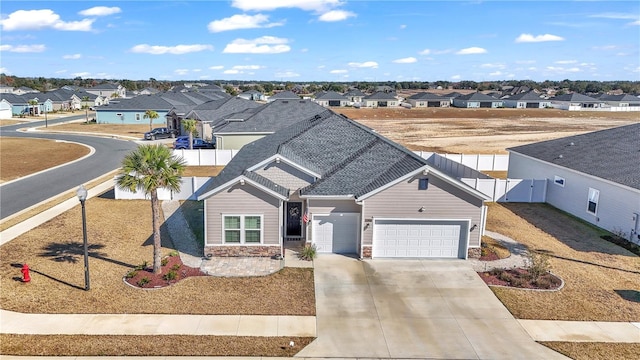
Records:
x=435, y=309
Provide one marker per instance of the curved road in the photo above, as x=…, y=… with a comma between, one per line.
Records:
x=21, y=194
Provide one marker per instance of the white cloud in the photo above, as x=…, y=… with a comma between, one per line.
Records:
x=605, y=47
x=42, y=19
x=560, y=69
x=610, y=15
x=471, y=51
x=440, y=52
x=407, y=60
x=339, y=71
x=241, y=21
x=84, y=74
x=100, y=11
x=231, y=72
x=247, y=67
x=456, y=77
x=403, y=26
x=61, y=71
x=216, y=67
x=528, y=38
x=493, y=66
x=525, y=62
x=634, y=23
x=425, y=52
x=286, y=74
x=4, y=70
x=181, y=71
x=564, y=62
x=261, y=45
x=307, y=5
x=336, y=15
x=72, y=56
x=495, y=73
x=196, y=70
x=366, y=64
x=23, y=48
x=176, y=50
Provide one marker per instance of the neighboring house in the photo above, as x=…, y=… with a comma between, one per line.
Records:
x=355, y=96
x=108, y=90
x=575, y=101
x=4, y=89
x=242, y=128
x=427, y=99
x=185, y=101
x=212, y=113
x=331, y=98
x=380, y=99
x=623, y=100
x=528, y=100
x=22, y=90
x=253, y=95
x=20, y=104
x=284, y=95
x=147, y=91
x=593, y=176
x=476, y=100
x=131, y=111
x=340, y=186
x=6, y=110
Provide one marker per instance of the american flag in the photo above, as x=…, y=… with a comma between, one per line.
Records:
x=305, y=217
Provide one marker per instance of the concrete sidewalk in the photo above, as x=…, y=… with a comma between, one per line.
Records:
x=582, y=331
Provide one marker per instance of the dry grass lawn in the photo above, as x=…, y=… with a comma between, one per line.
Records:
x=23, y=156
x=203, y=171
x=501, y=251
x=602, y=280
x=119, y=234
x=596, y=351
x=136, y=130
x=481, y=131
x=5, y=122
x=157, y=345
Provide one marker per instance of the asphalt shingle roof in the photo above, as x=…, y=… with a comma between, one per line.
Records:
x=381, y=96
x=217, y=110
x=575, y=97
x=330, y=95
x=476, y=96
x=427, y=96
x=141, y=102
x=612, y=154
x=530, y=96
x=284, y=95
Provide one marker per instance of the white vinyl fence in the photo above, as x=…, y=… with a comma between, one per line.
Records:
x=510, y=190
x=206, y=157
x=480, y=162
x=188, y=191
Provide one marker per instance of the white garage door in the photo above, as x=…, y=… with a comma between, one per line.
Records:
x=336, y=233
x=419, y=239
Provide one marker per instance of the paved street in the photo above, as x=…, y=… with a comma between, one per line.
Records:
x=413, y=309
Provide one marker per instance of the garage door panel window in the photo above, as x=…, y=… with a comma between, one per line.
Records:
x=242, y=229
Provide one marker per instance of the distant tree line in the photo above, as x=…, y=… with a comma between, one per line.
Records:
x=268, y=87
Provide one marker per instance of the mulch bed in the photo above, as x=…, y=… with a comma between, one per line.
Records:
x=614, y=239
x=488, y=255
x=172, y=271
x=520, y=278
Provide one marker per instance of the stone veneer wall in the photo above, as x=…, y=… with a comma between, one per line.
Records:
x=474, y=253
x=366, y=252
x=235, y=251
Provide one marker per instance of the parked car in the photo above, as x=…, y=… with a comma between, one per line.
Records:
x=160, y=133
x=197, y=144
x=181, y=140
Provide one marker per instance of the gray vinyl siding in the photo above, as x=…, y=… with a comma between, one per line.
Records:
x=242, y=199
x=285, y=175
x=441, y=200
x=235, y=142
x=616, y=205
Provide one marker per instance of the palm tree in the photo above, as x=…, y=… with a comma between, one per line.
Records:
x=151, y=115
x=147, y=169
x=32, y=106
x=191, y=127
x=85, y=99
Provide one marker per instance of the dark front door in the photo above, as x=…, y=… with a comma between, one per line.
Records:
x=293, y=218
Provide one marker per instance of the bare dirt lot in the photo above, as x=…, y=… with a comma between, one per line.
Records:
x=481, y=131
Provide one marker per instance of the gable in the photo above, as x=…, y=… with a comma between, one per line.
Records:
x=286, y=175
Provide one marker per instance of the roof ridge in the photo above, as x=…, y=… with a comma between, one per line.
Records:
x=309, y=123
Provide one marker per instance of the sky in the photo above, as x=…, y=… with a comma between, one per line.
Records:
x=322, y=40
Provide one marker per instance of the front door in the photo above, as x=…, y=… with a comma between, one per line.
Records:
x=293, y=219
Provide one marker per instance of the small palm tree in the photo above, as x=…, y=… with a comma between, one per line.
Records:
x=147, y=169
x=32, y=106
x=191, y=127
x=151, y=115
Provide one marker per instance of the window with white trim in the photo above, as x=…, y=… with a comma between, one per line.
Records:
x=242, y=229
x=558, y=180
x=592, y=205
x=137, y=117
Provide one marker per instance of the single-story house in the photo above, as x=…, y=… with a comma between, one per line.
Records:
x=212, y=113
x=338, y=185
x=239, y=129
x=622, y=100
x=21, y=104
x=427, y=99
x=380, y=99
x=575, y=101
x=6, y=110
x=108, y=90
x=355, y=96
x=254, y=95
x=283, y=95
x=476, y=100
x=594, y=176
x=528, y=100
x=331, y=98
x=131, y=111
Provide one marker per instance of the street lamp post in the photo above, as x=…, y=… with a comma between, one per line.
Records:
x=82, y=196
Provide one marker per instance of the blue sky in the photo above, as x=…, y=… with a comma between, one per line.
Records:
x=322, y=40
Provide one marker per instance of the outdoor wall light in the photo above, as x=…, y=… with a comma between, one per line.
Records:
x=473, y=227
x=422, y=209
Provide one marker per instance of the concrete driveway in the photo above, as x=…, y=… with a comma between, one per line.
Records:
x=436, y=309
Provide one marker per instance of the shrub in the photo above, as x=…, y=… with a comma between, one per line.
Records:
x=174, y=253
x=505, y=276
x=131, y=274
x=164, y=261
x=542, y=282
x=538, y=264
x=308, y=252
x=144, y=281
x=171, y=275
x=142, y=266
x=175, y=267
x=518, y=282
